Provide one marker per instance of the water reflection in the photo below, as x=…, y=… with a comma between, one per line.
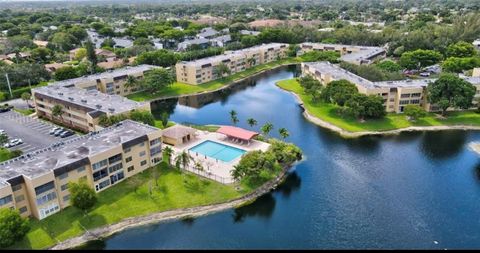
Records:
x=262, y=207
x=291, y=184
x=189, y=221
x=92, y=245
x=166, y=105
x=441, y=145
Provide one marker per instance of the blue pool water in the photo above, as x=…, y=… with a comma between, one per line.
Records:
x=217, y=151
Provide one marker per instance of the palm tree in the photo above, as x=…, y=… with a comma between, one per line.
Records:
x=57, y=110
x=183, y=160
x=168, y=152
x=251, y=61
x=198, y=166
x=235, y=120
x=252, y=122
x=220, y=70
x=267, y=128
x=283, y=132
x=233, y=116
x=131, y=82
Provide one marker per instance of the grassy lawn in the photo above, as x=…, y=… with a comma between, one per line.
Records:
x=182, y=88
x=327, y=112
x=208, y=128
x=174, y=190
x=25, y=112
x=5, y=154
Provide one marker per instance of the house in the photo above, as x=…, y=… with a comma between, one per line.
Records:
x=112, y=64
x=22, y=55
x=123, y=42
x=40, y=43
x=266, y=23
x=52, y=67
x=202, y=42
x=108, y=55
x=178, y=134
x=207, y=33
x=221, y=41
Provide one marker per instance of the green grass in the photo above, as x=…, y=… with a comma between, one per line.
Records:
x=159, y=124
x=5, y=154
x=327, y=112
x=174, y=190
x=208, y=128
x=25, y=112
x=179, y=88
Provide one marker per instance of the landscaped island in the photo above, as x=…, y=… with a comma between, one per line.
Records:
x=350, y=126
x=159, y=189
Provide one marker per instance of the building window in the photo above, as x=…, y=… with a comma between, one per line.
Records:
x=64, y=187
x=141, y=144
x=81, y=169
x=404, y=102
x=127, y=150
x=100, y=174
x=66, y=198
x=63, y=176
x=46, y=198
x=143, y=163
x=405, y=95
x=155, y=150
x=23, y=209
x=20, y=198
x=100, y=164
x=16, y=187
x=416, y=94
x=131, y=168
x=102, y=185
x=44, y=188
x=155, y=142
x=115, y=158
x=129, y=159
x=143, y=153
x=415, y=101
x=115, y=167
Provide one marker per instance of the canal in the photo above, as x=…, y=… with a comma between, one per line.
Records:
x=414, y=190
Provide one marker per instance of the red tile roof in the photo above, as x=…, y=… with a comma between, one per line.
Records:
x=237, y=132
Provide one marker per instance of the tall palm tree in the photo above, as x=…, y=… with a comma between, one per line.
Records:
x=235, y=120
x=57, y=110
x=252, y=122
x=183, y=160
x=283, y=132
x=251, y=61
x=198, y=166
x=168, y=152
x=131, y=82
x=267, y=128
x=233, y=116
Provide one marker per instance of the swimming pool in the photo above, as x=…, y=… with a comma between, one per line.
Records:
x=218, y=151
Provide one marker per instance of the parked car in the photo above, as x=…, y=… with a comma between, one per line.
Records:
x=59, y=131
x=425, y=74
x=13, y=143
x=4, y=109
x=66, y=134
x=55, y=129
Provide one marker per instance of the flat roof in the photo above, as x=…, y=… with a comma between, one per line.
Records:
x=229, y=54
x=365, y=52
x=107, y=74
x=94, y=99
x=58, y=155
x=339, y=73
x=177, y=131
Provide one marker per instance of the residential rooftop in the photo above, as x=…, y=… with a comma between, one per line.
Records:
x=365, y=52
x=229, y=54
x=129, y=70
x=93, y=99
x=339, y=73
x=74, y=152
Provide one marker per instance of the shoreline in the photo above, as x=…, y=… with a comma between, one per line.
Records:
x=225, y=86
x=347, y=134
x=175, y=214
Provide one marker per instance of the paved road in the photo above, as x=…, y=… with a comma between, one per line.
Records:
x=33, y=132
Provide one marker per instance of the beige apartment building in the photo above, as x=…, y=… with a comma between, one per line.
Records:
x=396, y=94
x=203, y=70
x=37, y=183
x=353, y=54
x=81, y=108
x=110, y=82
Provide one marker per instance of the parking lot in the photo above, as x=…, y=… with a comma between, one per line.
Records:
x=33, y=132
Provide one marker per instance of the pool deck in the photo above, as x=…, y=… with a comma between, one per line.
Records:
x=213, y=168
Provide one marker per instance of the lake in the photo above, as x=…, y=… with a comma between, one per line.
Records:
x=415, y=190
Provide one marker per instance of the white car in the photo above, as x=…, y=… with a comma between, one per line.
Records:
x=13, y=143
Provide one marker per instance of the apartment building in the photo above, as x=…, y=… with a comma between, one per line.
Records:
x=203, y=70
x=348, y=53
x=110, y=82
x=81, y=108
x=396, y=94
x=37, y=183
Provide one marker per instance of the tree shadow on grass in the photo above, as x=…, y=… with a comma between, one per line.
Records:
x=92, y=221
x=194, y=186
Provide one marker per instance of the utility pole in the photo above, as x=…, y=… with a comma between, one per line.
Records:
x=8, y=83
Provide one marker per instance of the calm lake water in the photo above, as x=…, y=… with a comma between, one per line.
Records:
x=415, y=190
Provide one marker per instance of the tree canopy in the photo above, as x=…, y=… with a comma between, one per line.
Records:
x=450, y=91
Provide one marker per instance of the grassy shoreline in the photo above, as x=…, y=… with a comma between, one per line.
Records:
x=179, y=88
x=175, y=190
x=327, y=113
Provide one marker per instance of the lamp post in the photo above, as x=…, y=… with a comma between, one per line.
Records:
x=8, y=83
